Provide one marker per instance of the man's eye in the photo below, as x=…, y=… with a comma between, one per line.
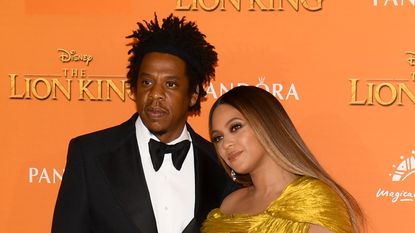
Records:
x=171, y=84
x=146, y=82
x=235, y=127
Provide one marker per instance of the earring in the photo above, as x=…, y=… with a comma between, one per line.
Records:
x=233, y=175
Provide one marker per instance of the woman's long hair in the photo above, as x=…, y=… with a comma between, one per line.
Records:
x=277, y=134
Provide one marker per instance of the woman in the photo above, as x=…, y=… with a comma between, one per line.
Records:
x=285, y=188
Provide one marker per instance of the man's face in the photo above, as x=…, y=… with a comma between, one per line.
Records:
x=162, y=95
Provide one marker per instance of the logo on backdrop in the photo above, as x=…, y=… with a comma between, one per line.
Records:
x=248, y=5
x=393, y=3
x=70, y=82
x=38, y=175
x=72, y=56
x=402, y=172
x=404, y=169
x=279, y=90
x=77, y=84
x=385, y=92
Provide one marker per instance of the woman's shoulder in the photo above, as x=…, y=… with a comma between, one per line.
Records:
x=232, y=200
x=305, y=187
x=313, y=201
x=307, y=194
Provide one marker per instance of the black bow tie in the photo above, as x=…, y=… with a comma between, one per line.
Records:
x=178, y=153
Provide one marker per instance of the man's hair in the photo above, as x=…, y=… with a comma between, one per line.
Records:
x=178, y=37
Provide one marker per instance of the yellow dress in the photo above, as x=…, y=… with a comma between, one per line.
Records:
x=303, y=202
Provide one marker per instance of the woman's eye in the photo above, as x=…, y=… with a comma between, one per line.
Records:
x=235, y=127
x=216, y=139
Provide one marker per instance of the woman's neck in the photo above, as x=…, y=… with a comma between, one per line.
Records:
x=270, y=179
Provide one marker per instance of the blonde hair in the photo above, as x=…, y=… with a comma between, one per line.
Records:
x=278, y=135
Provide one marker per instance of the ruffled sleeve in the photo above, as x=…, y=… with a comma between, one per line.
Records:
x=304, y=202
x=309, y=200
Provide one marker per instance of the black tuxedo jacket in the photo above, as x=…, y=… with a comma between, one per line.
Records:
x=104, y=189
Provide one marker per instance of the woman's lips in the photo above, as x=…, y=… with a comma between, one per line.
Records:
x=233, y=155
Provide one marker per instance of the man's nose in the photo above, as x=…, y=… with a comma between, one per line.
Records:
x=157, y=91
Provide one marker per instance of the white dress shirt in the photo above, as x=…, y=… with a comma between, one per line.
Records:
x=172, y=192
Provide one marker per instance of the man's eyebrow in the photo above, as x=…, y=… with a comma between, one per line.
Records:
x=143, y=74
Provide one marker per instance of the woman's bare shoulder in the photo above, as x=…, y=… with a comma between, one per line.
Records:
x=230, y=203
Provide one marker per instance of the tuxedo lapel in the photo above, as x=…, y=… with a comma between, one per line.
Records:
x=201, y=199
x=122, y=168
x=212, y=183
x=205, y=188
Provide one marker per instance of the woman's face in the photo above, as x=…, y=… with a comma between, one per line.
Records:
x=235, y=141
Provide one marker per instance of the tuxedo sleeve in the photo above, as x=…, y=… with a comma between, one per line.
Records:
x=71, y=213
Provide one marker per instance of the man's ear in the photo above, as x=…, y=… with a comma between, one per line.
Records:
x=194, y=97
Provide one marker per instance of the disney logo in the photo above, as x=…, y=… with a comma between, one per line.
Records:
x=411, y=58
x=69, y=56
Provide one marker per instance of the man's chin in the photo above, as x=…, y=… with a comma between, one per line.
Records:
x=154, y=127
x=158, y=133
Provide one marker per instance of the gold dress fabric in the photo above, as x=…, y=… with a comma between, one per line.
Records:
x=304, y=202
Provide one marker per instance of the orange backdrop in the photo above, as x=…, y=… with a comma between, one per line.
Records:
x=343, y=71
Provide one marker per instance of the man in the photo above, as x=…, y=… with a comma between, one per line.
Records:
x=112, y=183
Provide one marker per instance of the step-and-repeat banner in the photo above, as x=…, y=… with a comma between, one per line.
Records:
x=344, y=70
